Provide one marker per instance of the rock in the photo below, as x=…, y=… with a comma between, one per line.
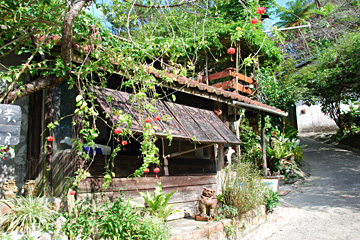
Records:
x=59, y=223
x=62, y=236
x=35, y=235
x=16, y=235
x=45, y=236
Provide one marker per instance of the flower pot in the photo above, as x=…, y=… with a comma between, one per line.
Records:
x=271, y=182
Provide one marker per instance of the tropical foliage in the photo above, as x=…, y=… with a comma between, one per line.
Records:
x=119, y=220
x=157, y=203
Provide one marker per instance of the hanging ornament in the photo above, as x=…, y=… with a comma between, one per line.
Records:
x=254, y=21
x=260, y=10
x=231, y=51
x=146, y=171
x=156, y=170
x=49, y=138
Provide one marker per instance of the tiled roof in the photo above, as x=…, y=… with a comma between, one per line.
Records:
x=213, y=90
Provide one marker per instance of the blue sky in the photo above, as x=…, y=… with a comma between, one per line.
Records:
x=282, y=2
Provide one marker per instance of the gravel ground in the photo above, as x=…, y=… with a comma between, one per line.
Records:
x=326, y=205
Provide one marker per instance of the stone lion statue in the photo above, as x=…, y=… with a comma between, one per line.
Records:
x=207, y=203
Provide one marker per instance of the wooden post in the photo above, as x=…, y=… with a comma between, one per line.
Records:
x=166, y=162
x=237, y=67
x=207, y=70
x=219, y=166
x=263, y=144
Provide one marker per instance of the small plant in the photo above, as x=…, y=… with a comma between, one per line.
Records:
x=82, y=222
x=157, y=203
x=27, y=215
x=121, y=221
x=227, y=211
x=271, y=200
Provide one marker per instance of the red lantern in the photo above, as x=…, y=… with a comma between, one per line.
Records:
x=231, y=51
x=260, y=10
x=49, y=138
x=157, y=118
x=117, y=130
x=146, y=171
x=254, y=21
x=148, y=120
x=156, y=170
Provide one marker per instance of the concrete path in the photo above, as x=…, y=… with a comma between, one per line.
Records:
x=326, y=205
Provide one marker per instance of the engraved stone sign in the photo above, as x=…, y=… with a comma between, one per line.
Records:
x=10, y=123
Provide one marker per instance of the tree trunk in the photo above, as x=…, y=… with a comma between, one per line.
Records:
x=51, y=81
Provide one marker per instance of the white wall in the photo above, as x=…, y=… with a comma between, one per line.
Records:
x=311, y=119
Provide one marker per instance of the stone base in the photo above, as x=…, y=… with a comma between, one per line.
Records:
x=206, y=219
x=221, y=230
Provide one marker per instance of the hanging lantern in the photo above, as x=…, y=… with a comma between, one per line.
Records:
x=146, y=171
x=49, y=138
x=231, y=51
x=260, y=10
x=254, y=21
x=156, y=170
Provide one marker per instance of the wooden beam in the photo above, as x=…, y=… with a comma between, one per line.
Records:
x=218, y=75
x=232, y=84
x=142, y=183
x=230, y=72
x=223, y=85
x=242, y=77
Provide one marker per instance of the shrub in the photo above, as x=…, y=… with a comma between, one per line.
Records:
x=242, y=187
x=27, y=215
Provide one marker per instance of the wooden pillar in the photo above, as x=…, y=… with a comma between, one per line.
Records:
x=219, y=166
x=237, y=126
x=263, y=144
x=166, y=161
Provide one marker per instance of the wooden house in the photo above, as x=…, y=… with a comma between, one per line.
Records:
x=199, y=119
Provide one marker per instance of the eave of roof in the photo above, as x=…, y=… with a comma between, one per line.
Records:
x=204, y=90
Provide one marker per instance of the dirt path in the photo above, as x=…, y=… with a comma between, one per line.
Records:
x=326, y=206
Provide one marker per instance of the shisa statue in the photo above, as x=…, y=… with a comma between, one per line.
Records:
x=207, y=203
x=9, y=189
x=29, y=188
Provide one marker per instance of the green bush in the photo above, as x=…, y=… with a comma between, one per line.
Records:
x=157, y=203
x=242, y=187
x=271, y=200
x=251, y=143
x=117, y=221
x=122, y=221
x=27, y=215
x=82, y=222
x=284, y=153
